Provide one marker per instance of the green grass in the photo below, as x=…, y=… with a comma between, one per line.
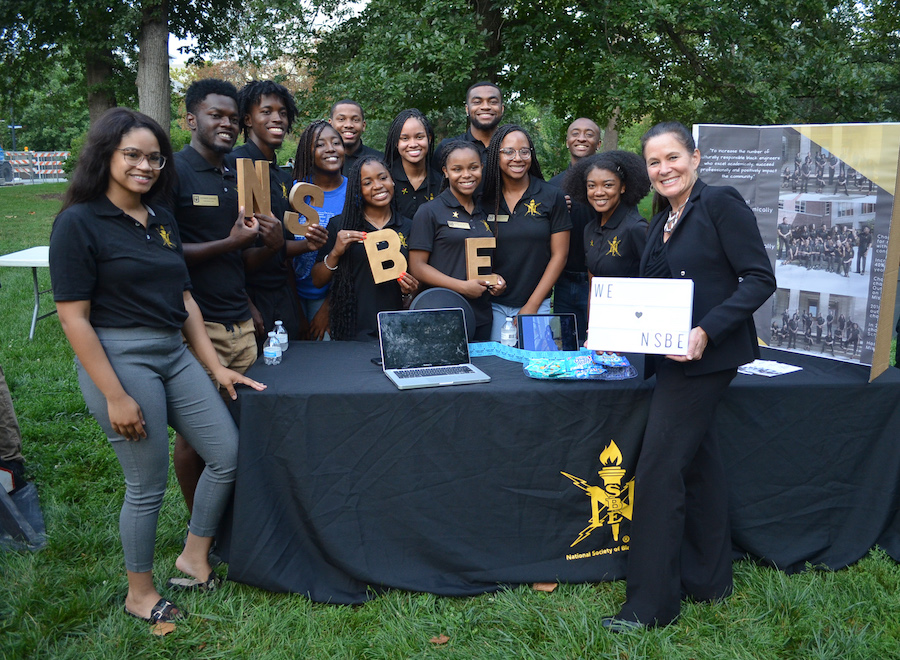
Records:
x=66, y=601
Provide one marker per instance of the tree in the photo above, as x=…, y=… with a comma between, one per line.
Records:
x=734, y=61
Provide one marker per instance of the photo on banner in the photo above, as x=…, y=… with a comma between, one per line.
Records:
x=823, y=196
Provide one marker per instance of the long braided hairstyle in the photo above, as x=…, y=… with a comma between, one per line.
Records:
x=392, y=153
x=493, y=178
x=342, y=316
x=449, y=148
x=305, y=159
x=628, y=166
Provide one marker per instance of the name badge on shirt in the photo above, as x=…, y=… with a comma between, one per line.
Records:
x=205, y=200
x=456, y=224
x=499, y=218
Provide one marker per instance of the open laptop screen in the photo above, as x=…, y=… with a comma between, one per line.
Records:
x=423, y=338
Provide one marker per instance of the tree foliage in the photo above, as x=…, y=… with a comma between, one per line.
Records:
x=733, y=61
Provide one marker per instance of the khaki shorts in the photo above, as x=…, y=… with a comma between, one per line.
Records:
x=235, y=345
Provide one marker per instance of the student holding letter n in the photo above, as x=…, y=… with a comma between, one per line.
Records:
x=441, y=228
x=680, y=534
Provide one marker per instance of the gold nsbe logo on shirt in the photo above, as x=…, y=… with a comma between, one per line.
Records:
x=531, y=208
x=613, y=246
x=611, y=504
x=402, y=239
x=166, y=238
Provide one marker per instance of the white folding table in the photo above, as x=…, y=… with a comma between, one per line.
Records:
x=34, y=258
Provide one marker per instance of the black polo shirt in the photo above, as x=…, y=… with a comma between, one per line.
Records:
x=272, y=274
x=441, y=228
x=465, y=137
x=523, y=240
x=615, y=249
x=134, y=277
x=371, y=298
x=581, y=215
x=361, y=150
x=206, y=207
x=409, y=199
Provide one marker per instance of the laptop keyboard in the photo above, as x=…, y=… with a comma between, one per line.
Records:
x=433, y=371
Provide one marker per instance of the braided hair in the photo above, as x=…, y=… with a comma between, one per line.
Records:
x=343, y=298
x=449, y=148
x=305, y=159
x=627, y=166
x=392, y=153
x=493, y=178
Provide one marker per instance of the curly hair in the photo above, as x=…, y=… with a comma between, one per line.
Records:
x=305, y=159
x=91, y=177
x=343, y=296
x=200, y=89
x=493, y=179
x=252, y=93
x=627, y=166
x=449, y=148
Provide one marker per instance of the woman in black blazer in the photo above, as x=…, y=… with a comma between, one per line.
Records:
x=680, y=536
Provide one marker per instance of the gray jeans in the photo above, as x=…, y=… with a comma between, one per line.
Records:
x=172, y=389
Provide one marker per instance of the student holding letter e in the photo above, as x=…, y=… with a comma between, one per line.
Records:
x=680, y=535
x=441, y=228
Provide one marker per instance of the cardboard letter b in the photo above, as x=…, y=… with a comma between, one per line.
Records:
x=391, y=253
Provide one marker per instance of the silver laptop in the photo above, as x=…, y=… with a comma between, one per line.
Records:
x=426, y=348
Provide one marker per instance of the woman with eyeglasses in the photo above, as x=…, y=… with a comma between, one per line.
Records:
x=531, y=222
x=123, y=295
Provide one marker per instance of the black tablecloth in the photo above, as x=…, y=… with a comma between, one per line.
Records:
x=346, y=485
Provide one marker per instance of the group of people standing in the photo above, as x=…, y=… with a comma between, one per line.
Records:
x=824, y=248
x=151, y=247
x=839, y=174
x=811, y=329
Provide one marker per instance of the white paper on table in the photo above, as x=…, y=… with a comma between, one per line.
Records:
x=767, y=368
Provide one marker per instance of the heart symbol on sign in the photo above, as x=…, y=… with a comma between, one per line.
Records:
x=639, y=314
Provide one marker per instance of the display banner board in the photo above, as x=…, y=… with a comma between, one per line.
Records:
x=823, y=196
x=640, y=315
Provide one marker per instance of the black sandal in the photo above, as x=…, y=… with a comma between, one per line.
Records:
x=192, y=584
x=164, y=611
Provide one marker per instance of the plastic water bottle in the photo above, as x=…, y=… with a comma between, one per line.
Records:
x=272, y=350
x=508, y=336
x=282, y=335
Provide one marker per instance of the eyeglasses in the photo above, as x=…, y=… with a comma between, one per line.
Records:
x=134, y=157
x=524, y=153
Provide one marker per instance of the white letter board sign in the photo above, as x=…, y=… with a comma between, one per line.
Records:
x=640, y=315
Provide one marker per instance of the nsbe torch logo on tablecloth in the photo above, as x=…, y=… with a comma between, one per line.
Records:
x=640, y=315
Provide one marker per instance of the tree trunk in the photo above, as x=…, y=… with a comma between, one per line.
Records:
x=153, y=63
x=491, y=21
x=611, y=135
x=98, y=70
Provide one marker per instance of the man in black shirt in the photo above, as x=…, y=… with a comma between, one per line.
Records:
x=267, y=113
x=571, y=292
x=349, y=120
x=214, y=234
x=484, y=108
